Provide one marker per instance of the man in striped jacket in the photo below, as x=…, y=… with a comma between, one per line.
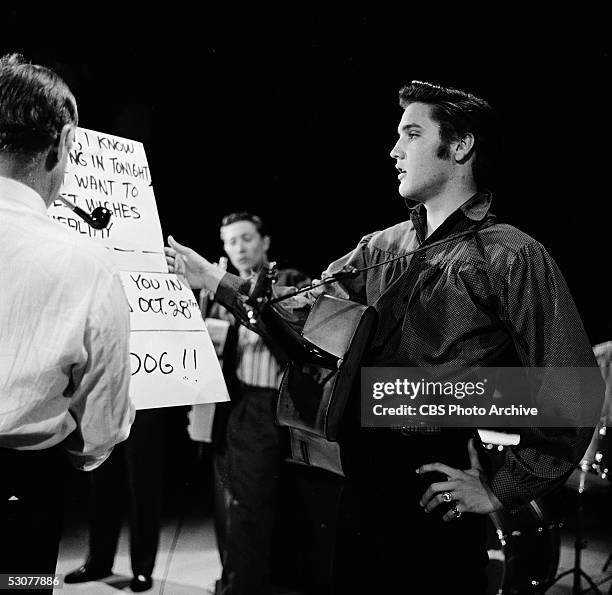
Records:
x=246, y=441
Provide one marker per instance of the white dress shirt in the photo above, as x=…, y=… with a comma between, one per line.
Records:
x=64, y=336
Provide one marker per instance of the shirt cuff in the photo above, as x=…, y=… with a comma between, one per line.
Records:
x=87, y=463
x=508, y=490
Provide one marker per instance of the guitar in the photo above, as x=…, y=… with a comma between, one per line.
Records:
x=323, y=365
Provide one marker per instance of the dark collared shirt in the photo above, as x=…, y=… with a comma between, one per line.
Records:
x=491, y=298
x=494, y=297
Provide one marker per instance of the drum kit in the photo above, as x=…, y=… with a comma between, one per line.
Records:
x=524, y=548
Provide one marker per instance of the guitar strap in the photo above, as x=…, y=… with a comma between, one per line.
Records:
x=391, y=295
x=350, y=272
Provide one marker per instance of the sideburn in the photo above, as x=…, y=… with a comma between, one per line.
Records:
x=443, y=151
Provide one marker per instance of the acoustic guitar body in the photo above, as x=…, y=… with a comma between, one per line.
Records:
x=313, y=398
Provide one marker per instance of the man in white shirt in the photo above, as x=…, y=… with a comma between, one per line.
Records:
x=64, y=325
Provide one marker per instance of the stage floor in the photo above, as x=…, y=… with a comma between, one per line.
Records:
x=195, y=565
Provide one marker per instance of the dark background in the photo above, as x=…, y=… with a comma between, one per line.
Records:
x=293, y=118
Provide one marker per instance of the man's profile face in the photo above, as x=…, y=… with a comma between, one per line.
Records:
x=245, y=246
x=422, y=174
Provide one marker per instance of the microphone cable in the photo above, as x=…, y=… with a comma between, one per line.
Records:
x=349, y=272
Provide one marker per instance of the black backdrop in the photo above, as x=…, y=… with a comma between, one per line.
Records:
x=294, y=117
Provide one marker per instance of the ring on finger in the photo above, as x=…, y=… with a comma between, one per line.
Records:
x=447, y=497
x=456, y=511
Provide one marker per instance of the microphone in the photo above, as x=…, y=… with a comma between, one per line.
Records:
x=98, y=218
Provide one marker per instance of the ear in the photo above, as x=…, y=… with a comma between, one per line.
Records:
x=66, y=140
x=266, y=243
x=58, y=152
x=464, y=147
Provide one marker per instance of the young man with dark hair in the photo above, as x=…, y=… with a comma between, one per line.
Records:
x=64, y=325
x=458, y=113
x=483, y=295
x=248, y=445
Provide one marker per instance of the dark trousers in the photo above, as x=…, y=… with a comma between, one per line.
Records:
x=367, y=533
x=252, y=459
x=31, y=494
x=387, y=543
x=134, y=466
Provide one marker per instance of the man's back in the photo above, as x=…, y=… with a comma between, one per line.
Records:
x=63, y=322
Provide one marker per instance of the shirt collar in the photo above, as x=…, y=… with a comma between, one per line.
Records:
x=13, y=191
x=475, y=208
x=469, y=214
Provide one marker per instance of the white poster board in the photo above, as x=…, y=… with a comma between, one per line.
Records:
x=113, y=172
x=173, y=360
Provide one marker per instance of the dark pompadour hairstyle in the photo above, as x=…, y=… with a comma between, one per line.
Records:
x=35, y=104
x=244, y=216
x=457, y=113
